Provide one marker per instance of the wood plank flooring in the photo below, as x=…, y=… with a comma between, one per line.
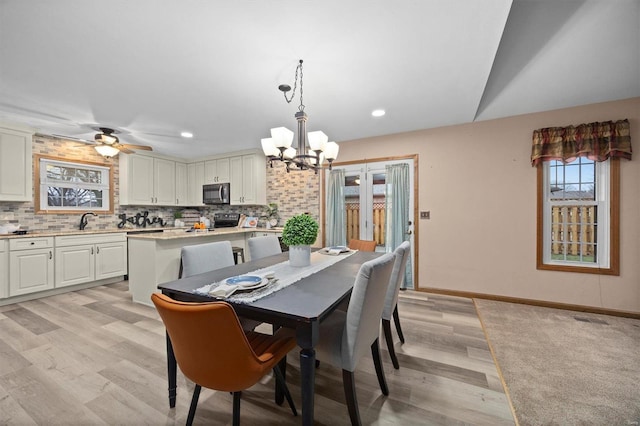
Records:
x=94, y=357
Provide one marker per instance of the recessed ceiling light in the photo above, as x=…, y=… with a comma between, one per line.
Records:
x=186, y=134
x=378, y=112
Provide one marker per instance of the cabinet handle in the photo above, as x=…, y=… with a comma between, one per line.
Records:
x=97, y=250
x=50, y=254
x=92, y=251
x=32, y=243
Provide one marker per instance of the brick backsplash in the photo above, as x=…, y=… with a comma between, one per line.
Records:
x=294, y=192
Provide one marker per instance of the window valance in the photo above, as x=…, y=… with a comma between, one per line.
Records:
x=596, y=141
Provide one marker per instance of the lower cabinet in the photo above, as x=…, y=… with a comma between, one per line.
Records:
x=4, y=269
x=92, y=257
x=30, y=265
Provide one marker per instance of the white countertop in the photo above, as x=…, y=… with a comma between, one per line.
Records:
x=182, y=233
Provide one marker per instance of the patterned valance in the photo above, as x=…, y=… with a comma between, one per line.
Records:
x=596, y=141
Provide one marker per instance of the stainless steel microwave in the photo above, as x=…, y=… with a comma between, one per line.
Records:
x=216, y=193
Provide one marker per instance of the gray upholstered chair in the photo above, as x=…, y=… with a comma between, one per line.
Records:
x=391, y=301
x=346, y=336
x=202, y=258
x=260, y=247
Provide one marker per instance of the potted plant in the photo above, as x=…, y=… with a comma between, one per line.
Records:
x=299, y=233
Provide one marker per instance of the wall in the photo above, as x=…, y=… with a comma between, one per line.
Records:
x=294, y=192
x=477, y=181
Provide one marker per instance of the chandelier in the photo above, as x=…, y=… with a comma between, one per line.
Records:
x=311, y=150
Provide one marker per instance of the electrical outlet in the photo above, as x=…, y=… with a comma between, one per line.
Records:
x=425, y=215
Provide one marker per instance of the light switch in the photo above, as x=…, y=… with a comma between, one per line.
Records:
x=425, y=215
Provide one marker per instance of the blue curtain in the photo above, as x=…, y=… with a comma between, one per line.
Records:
x=336, y=231
x=397, y=212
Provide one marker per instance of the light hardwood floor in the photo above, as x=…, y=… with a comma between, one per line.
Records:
x=94, y=357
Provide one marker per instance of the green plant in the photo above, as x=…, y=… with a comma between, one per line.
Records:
x=300, y=230
x=177, y=214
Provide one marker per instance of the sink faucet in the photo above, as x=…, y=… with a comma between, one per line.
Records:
x=84, y=220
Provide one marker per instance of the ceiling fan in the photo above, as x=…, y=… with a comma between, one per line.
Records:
x=109, y=145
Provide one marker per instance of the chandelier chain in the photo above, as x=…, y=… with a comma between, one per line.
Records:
x=295, y=86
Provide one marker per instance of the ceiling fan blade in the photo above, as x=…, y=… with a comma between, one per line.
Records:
x=124, y=149
x=140, y=147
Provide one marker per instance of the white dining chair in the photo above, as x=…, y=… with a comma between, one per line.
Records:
x=260, y=247
x=391, y=299
x=346, y=336
x=207, y=257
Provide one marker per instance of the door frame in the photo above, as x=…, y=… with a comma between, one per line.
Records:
x=416, y=223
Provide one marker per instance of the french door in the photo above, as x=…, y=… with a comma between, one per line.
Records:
x=365, y=204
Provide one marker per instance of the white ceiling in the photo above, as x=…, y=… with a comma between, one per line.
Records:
x=155, y=68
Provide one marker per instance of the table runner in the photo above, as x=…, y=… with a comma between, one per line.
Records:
x=284, y=272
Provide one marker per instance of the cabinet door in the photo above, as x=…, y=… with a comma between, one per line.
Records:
x=216, y=171
x=237, y=180
x=249, y=180
x=30, y=271
x=182, y=197
x=4, y=269
x=164, y=172
x=195, y=180
x=75, y=265
x=140, y=180
x=15, y=165
x=111, y=260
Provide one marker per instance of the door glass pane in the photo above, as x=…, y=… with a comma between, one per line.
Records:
x=352, y=205
x=378, y=209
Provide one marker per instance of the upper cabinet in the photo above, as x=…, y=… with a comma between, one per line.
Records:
x=16, y=164
x=182, y=185
x=195, y=180
x=248, y=179
x=216, y=171
x=146, y=180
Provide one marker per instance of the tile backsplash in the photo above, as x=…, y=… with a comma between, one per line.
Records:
x=294, y=192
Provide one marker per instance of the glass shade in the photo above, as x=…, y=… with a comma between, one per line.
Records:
x=282, y=137
x=289, y=153
x=106, y=150
x=331, y=151
x=317, y=140
x=269, y=148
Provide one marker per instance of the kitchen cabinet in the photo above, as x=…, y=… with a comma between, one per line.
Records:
x=31, y=265
x=248, y=179
x=147, y=180
x=92, y=257
x=4, y=269
x=16, y=164
x=182, y=185
x=195, y=179
x=216, y=171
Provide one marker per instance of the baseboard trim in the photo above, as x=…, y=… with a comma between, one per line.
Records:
x=534, y=302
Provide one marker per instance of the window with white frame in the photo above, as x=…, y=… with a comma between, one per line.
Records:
x=69, y=186
x=576, y=212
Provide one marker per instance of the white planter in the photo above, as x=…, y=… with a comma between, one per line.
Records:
x=300, y=256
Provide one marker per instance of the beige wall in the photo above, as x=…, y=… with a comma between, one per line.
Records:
x=477, y=182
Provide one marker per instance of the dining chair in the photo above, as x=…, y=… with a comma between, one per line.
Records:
x=201, y=258
x=346, y=336
x=362, y=245
x=401, y=254
x=212, y=349
x=260, y=247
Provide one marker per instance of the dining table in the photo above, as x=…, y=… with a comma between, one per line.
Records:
x=301, y=306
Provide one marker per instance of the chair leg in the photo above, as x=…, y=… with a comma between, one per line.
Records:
x=349, y=384
x=396, y=319
x=377, y=361
x=194, y=404
x=386, y=326
x=280, y=381
x=236, y=408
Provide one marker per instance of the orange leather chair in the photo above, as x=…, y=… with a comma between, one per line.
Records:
x=213, y=351
x=362, y=245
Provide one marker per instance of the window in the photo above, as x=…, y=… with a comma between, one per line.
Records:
x=73, y=186
x=578, y=204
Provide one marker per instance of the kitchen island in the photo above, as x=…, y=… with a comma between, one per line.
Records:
x=155, y=258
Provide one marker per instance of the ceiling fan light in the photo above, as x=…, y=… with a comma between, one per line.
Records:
x=282, y=137
x=289, y=153
x=317, y=140
x=106, y=139
x=107, y=151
